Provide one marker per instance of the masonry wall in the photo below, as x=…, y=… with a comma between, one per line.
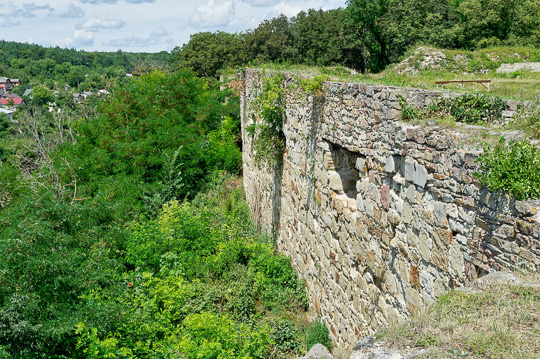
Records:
x=379, y=216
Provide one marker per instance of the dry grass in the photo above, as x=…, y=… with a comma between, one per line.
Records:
x=502, y=322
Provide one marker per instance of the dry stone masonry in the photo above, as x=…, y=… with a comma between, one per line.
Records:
x=379, y=217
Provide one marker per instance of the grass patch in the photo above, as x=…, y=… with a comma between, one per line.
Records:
x=460, y=65
x=501, y=322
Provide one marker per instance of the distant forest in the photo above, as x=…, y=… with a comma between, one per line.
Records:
x=54, y=67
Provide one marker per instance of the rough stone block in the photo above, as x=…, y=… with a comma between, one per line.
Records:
x=335, y=182
x=420, y=175
x=392, y=164
x=385, y=197
x=409, y=169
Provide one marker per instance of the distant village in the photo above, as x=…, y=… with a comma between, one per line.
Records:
x=9, y=101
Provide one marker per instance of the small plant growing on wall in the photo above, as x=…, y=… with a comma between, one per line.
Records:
x=469, y=108
x=513, y=168
x=269, y=143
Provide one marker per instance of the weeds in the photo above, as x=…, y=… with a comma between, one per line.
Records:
x=501, y=322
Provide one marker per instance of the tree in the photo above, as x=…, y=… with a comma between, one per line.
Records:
x=208, y=52
x=369, y=16
x=41, y=96
x=483, y=22
x=75, y=76
x=324, y=38
x=272, y=40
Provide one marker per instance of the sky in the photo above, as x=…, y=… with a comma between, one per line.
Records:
x=137, y=25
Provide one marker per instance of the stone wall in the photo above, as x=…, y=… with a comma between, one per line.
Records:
x=379, y=216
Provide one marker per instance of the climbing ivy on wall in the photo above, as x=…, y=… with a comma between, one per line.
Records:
x=269, y=144
x=269, y=139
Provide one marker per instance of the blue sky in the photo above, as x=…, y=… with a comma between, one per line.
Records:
x=136, y=25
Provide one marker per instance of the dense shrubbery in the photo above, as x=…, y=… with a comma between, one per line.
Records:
x=468, y=108
x=199, y=270
x=95, y=266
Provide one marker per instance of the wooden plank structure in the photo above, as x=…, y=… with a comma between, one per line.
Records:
x=462, y=82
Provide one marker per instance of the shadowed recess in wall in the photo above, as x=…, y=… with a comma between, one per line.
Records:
x=343, y=180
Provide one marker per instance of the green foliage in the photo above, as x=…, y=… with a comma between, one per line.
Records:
x=269, y=142
x=54, y=67
x=313, y=85
x=317, y=332
x=467, y=108
x=388, y=28
x=513, y=168
x=211, y=336
x=154, y=144
x=477, y=108
x=50, y=257
x=41, y=96
x=199, y=274
x=207, y=52
x=271, y=41
x=408, y=112
x=222, y=151
x=285, y=337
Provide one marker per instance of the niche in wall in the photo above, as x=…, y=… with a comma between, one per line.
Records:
x=344, y=163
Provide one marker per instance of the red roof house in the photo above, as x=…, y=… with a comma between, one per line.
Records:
x=16, y=101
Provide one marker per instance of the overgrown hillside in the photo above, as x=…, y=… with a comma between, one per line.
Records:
x=124, y=233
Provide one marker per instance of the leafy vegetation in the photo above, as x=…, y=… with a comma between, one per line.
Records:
x=468, y=108
x=528, y=118
x=388, y=28
x=124, y=236
x=317, y=332
x=269, y=142
x=512, y=167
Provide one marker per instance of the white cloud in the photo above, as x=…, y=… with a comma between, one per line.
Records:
x=81, y=38
x=25, y=10
x=159, y=32
x=7, y=22
x=213, y=14
x=261, y=3
x=286, y=10
x=159, y=36
x=73, y=11
x=95, y=2
x=96, y=24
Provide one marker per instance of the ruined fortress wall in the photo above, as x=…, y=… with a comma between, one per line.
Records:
x=379, y=216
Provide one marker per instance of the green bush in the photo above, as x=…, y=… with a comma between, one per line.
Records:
x=468, y=108
x=476, y=108
x=317, y=332
x=285, y=337
x=513, y=168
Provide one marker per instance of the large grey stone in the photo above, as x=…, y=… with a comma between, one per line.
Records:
x=409, y=169
x=420, y=175
x=392, y=164
x=318, y=351
x=499, y=278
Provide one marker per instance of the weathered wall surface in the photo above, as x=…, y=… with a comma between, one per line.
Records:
x=379, y=216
